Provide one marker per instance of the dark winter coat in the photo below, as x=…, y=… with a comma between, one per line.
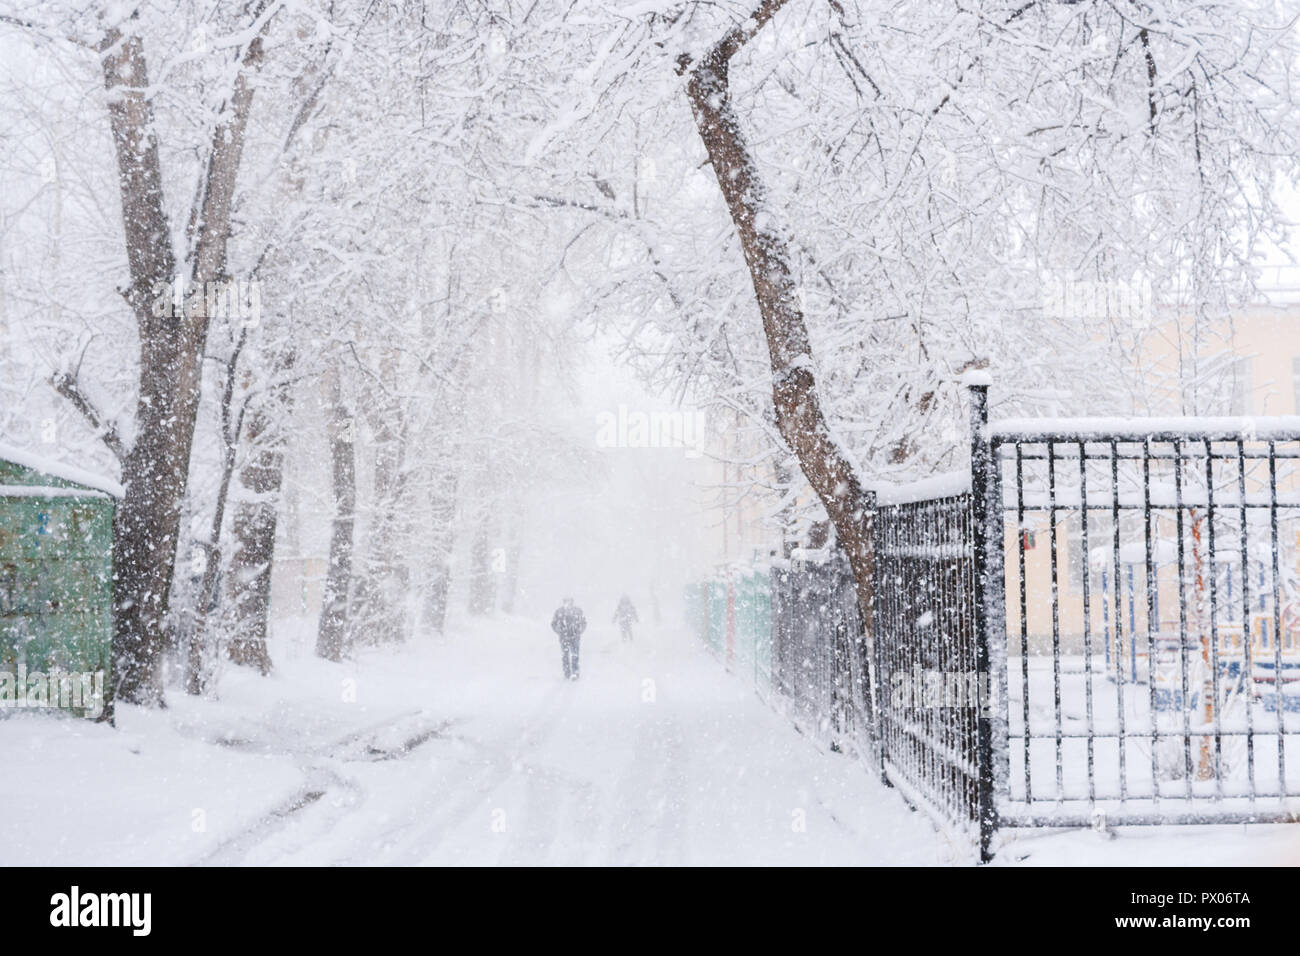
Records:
x=569, y=621
x=625, y=613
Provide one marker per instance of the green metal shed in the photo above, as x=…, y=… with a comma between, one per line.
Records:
x=56, y=569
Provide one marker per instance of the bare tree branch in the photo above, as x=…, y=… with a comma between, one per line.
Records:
x=65, y=383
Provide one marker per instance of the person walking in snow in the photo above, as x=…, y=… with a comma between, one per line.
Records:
x=625, y=616
x=569, y=623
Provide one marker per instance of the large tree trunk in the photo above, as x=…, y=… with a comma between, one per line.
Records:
x=331, y=636
x=256, y=509
x=155, y=467
x=795, y=398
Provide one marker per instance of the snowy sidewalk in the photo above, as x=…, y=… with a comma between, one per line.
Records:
x=472, y=750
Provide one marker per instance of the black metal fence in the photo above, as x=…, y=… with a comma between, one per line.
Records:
x=1153, y=669
x=819, y=652
x=925, y=653
x=938, y=606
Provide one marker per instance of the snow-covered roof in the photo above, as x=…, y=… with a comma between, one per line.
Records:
x=49, y=491
x=56, y=469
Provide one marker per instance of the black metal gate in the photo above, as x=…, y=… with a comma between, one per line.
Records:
x=1153, y=669
x=1154, y=662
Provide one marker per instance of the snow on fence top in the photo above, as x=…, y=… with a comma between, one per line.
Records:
x=975, y=377
x=946, y=485
x=1139, y=429
x=1162, y=495
x=47, y=466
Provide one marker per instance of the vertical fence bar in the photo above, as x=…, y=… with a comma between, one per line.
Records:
x=864, y=658
x=1186, y=702
x=1216, y=704
x=881, y=591
x=1153, y=623
x=1056, y=617
x=1120, y=740
x=1247, y=675
x=885, y=643
x=1024, y=614
x=989, y=614
x=995, y=629
x=1277, y=621
x=1087, y=622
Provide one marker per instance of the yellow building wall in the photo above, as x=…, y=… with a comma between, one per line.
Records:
x=1265, y=340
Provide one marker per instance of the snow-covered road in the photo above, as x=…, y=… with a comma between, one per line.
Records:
x=654, y=756
x=473, y=750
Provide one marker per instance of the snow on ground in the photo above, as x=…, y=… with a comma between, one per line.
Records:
x=473, y=750
x=1196, y=846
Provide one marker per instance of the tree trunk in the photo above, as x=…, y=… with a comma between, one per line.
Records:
x=482, y=582
x=255, y=518
x=331, y=637
x=385, y=582
x=514, y=550
x=439, y=583
x=795, y=398
x=155, y=468
x=199, y=666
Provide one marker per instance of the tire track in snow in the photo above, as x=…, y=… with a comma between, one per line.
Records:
x=321, y=781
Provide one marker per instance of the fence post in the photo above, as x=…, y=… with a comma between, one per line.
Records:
x=990, y=613
x=870, y=650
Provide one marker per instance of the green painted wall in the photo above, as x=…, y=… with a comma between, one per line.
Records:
x=752, y=594
x=754, y=623
x=55, y=574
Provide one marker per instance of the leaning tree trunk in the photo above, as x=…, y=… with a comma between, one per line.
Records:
x=254, y=523
x=795, y=397
x=331, y=636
